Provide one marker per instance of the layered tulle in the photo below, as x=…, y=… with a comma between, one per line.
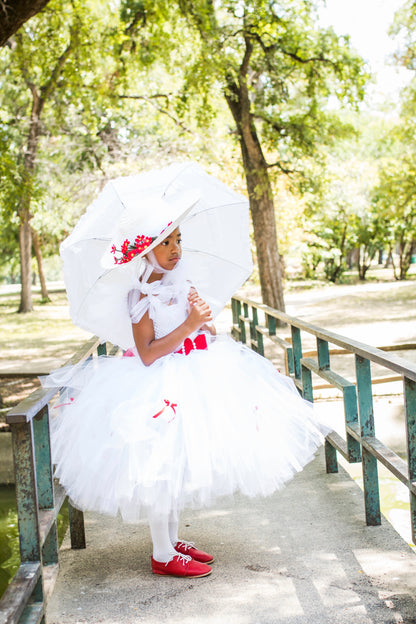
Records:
x=132, y=439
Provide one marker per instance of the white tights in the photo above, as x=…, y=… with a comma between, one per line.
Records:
x=164, y=531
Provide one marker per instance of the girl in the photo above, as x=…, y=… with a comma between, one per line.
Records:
x=189, y=417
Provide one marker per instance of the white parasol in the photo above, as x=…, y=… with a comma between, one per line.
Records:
x=215, y=243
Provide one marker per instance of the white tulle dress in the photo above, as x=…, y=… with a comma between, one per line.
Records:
x=181, y=432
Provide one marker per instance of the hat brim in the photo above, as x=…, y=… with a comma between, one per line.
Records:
x=188, y=199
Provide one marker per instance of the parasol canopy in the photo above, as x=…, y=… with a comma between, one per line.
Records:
x=214, y=224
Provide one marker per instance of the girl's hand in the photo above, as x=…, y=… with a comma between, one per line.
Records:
x=200, y=312
x=193, y=296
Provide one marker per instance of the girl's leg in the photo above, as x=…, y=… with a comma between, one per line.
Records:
x=182, y=546
x=173, y=528
x=163, y=549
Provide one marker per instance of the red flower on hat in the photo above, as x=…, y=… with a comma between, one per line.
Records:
x=125, y=246
x=129, y=251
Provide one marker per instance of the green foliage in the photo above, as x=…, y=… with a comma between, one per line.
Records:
x=403, y=28
x=293, y=66
x=394, y=196
x=394, y=199
x=49, y=73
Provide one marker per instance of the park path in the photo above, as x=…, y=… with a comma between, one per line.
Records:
x=301, y=556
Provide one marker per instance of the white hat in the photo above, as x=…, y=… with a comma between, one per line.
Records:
x=143, y=226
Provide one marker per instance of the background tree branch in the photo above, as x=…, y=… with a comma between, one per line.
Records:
x=14, y=13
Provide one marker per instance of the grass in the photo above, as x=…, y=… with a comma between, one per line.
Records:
x=47, y=331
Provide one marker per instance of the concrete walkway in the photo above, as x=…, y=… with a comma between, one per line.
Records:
x=302, y=556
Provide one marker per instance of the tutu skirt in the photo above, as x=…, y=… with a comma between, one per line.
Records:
x=135, y=440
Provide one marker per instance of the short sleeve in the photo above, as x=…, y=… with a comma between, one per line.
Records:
x=137, y=307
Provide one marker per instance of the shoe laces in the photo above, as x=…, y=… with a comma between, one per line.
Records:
x=184, y=559
x=186, y=545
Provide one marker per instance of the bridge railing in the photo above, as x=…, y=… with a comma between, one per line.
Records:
x=253, y=322
x=39, y=501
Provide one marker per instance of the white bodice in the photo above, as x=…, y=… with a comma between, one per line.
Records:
x=167, y=317
x=167, y=306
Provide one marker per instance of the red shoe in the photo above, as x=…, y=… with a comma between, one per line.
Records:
x=188, y=548
x=181, y=565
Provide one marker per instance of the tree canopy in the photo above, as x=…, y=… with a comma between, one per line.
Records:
x=257, y=91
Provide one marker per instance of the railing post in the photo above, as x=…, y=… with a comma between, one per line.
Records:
x=243, y=323
x=255, y=335
x=42, y=447
x=323, y=354
x=297, y=350
x=351, y=418
x=252, y=329
x=307, y=387
x=410, y=407
x=44, y=478
x=102, y=349
x=369, y=462
x=289, y=361
x=26, y=492
x=271, y=324
x=76, y=527
x=239, y=330
x=234, y=309
x=331, y=460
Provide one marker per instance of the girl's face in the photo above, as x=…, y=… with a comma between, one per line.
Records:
x=169, y=251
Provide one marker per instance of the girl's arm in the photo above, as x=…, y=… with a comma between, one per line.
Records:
x=151, y=349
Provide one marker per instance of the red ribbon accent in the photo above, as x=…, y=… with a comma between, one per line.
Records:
x=129, y=353
x=199, y=343
x=62, y=404
x=173, y=407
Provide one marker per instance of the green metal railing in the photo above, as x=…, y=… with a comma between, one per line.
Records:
x=38, y=501
x=360, y=443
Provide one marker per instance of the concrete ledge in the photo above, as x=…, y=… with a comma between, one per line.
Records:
x=301, y=556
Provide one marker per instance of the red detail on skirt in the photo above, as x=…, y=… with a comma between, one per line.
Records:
x=62, y=404
x=173, y=407
x=129, y=353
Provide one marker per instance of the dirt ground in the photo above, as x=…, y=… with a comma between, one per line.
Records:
x=15, y=389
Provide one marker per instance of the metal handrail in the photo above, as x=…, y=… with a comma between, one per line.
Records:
x=360, y=443
x=398, y=364
x=38, y=502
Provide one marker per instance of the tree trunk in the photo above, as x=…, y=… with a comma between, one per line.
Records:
x=25, y=234
x=38, y=254
x=260, y=196
x=406, y=258
x=367, y=258
x=14, y=13
x=391, y=260
x=359, y=265
x=265, y=237
x=380, y=256
x=25, y=243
